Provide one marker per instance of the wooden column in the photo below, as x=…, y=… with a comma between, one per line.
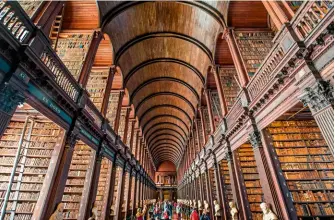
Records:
x=219, y=188
x=89, y=60
x=237, y=59
x=244, y=207
x=208, y=189
x=10, y=98
x=265, y=176
x=133, y=210
x=210, y=110
x=203, y=125
x=201, y=187
x=320, y=100
x=138, y=191
x=128, y=187
x=108, y=89
x=64, y=162
x=132, y=127
x=273, y=15
x=87, y=188
x=94, y=185
x=120, y=195
x=111, y=183
x=218, y=83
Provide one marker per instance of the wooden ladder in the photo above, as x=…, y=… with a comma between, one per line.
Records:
x=56, y=28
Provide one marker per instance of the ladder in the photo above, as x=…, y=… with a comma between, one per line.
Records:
x=16, y=175
x=56, y=28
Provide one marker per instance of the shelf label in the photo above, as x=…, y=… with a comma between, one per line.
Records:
x=89, y=136
x=108, y=151
x=49, y=103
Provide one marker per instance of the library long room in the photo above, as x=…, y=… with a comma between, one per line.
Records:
x=167, y=110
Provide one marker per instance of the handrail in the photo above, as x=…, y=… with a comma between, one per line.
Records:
x=16, y=22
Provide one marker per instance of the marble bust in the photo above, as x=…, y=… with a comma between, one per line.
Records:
x=58, y=214
x=217, y=208
x=267, y=212
x=233, y=210
x=199, y=205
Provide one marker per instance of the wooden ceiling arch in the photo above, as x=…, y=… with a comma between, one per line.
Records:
x=168, y=99
x=169, y=118
x=164, y=106
x=164, y=49
x=164, y=125
x=166, y=94
x=166, y=136
x=166, y=131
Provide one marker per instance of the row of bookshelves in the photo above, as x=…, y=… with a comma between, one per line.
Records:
x=96, y=85
x=228, y=77
x=254, y=47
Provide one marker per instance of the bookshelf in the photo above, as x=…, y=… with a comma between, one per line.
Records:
x=226, y=177
x=200, y=133
x=203, y=176
x=30, y=7
x=251, y=179
x=116, y=192
x=217, y=113
x=96, y=85
x=39, y=139
x=307, y=166
x=228, y=77
x=102, y=192
x=122, y=122
x=213, y=184
x=254, y=46
x=72, y=50
x=76, y=180
x=207, y=122
x=113, y=102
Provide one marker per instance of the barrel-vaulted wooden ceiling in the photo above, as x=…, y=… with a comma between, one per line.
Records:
x=164, y=50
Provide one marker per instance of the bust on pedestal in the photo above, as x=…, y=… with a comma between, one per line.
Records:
x=217, y=209
x=233, y=210
x=267, y=212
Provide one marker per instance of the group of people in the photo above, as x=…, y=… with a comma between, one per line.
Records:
x=170, y=210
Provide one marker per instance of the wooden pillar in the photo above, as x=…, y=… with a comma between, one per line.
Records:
x=320, y=100
x=201, y=187
x=120, y=195
x=210, y=111
x=203, y=125
x=219, y=188
x=64, y=162
x=237, y=59
x=108, y=89
x=209, y=190
x=265, y=176
x=218, y=83
x=94, y=184
x=89, y=60
x=133, y=210
x=273, y=15
x=111, y=184
x=244, y=209
x=128, y=187
x=10, y=98
x=138, y=190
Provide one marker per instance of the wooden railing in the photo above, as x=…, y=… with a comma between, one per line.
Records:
x=40, y=45
x=15, y=21
x=235, y=111
x=309, y=16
